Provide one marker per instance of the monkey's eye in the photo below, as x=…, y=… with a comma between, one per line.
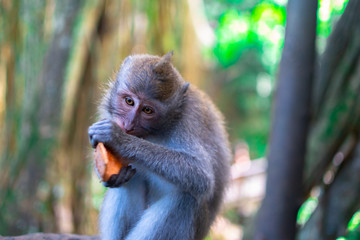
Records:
x=147, y=110
x=129, y=101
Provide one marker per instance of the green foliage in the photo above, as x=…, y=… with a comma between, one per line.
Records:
x=249, y=40
x=260, y=27
x=354, y=222
x=329, y=12
x=353, y=228
x=233, y=215
x=306, y=210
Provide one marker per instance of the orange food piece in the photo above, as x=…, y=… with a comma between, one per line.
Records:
x=106, y=164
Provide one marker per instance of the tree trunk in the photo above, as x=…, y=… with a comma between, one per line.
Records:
x=337, y=204
x=337, y=95
x=40, y=118
x=277, y=215
x=335, y=132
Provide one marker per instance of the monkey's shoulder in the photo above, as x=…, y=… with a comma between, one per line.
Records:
x=201, y=114
x=203, y=106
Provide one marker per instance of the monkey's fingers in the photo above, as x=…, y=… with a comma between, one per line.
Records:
x=93, y=141
x=110, y=182
x=97, y=133
x=124, y=175
x=130, y=172
x=102, y=129
x=102, y=124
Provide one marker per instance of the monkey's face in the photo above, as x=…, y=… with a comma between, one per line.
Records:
x=147, y=95
x=136, y=114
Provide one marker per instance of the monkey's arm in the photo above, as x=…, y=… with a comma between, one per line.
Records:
x=193, y=174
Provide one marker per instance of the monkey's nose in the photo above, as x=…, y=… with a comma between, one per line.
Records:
x=128, y=127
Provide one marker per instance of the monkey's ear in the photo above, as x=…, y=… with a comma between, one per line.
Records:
x=164, y=60
x=167, y=57
x=185, y=88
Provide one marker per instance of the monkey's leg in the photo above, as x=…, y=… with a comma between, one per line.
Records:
x=170, y=218
x=121, y=209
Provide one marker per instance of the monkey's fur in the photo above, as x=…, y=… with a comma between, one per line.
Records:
x=178, y=146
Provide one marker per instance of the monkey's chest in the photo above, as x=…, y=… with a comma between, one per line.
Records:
x=157, y=187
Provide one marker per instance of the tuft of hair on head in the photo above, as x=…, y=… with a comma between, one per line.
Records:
x=164, y=63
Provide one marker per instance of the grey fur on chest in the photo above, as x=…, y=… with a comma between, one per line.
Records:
x=155, y=186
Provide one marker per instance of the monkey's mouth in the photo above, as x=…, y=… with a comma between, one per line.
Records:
x=121, y=125
x=130, y=132
x=135, y=133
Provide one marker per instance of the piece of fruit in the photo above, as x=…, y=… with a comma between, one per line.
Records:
x=105, y=163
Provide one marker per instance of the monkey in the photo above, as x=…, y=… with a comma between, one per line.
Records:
x=176, y=144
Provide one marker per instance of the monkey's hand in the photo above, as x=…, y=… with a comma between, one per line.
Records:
x=109, y=133
x=124, y=175
x=105, y=131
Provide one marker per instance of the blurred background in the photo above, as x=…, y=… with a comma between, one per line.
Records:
x=57, y=56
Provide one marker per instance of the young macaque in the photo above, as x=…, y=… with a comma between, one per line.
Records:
x=173, y=137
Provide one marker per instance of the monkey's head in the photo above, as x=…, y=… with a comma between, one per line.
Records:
x=147, y=96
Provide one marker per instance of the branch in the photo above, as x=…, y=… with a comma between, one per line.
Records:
x=51, y=236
